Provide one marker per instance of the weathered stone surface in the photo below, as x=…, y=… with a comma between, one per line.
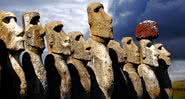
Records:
x=76, y=38
x=148, y=53
x=11, y=33
x=118, y=57
x=35, y=39
x=131, y=50
x=101, y=32
x=11, y=39
x=121, y=55
x=34, y=32
x=102, y=68
x=59, y=47
x=150, y=79
x=57, y=41
x=147, y=29
x=135, y=79
x=30, y=19
x=100, y=22
x=31, y=60
x=132, y=58
x=81, y=49
x=162, y=72
x=79, y=59
x=163, y=53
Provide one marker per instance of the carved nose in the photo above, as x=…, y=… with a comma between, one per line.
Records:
x=67, y=40
x=19, y=31
x=169, y=54
x=157, y=55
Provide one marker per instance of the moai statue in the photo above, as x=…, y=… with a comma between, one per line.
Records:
x=11, y=39
x=31, y=59
x=121, y=55
x=101, y=32
x=118, y=57
x=59, y=48
x=78, y=62
x=131, y=64
x=100, y=23
x=162, y=72
x=145, y=32
x=149, y=60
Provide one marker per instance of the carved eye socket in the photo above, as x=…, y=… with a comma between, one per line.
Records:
x=97, y=9
x=160, y=48
x=35, y=20
x=58, y=28
x=129, y=41
x=15, y=19
x=78, y=37
x=88, y=48
x=149, y=45
x=7, y=19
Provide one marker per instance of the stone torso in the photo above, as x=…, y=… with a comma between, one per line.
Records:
x=102, y=65
x=39, y=68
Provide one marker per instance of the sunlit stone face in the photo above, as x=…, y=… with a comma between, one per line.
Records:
x=163, y=53
x=114, y=47
x=131, y=49
x=57, y=41
x=10, y=33
x=80, y=48
x=34, y=32
x=149, y=53
x=100, y=22
x=76, y=39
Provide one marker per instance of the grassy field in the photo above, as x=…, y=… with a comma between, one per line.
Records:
x=179, y=90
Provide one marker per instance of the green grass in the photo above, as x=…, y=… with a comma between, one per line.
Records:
x=179, y=89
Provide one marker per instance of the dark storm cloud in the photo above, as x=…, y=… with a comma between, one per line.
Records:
x=125, y=16
x=170, y=15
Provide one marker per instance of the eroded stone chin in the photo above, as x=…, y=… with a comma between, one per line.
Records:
x=67, y=52
x=16, y=45
x=168, y=61
x=20, y=45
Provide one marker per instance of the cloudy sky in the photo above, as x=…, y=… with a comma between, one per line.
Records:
x=170, y=15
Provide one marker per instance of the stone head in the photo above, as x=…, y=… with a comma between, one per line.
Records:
x=115, y=46
x=10, y=33
x=99, y=21
x=34, y=32
x=58, y=42
x=76, y=39
x=80, y=48
x=131, y=49
x=148, y=53
x=147, y=29
x=163, y=53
